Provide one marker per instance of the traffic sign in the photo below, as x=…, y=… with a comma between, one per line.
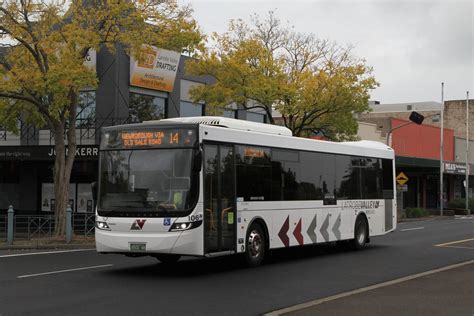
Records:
x=402, y=178
x=402, y=188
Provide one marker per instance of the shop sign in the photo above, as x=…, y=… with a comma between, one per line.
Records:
x=156, y=70
x=83, y=152
x=454, y=168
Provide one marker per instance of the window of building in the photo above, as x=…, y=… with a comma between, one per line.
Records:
x=255, y=117
x=190, y=109
x=144, y=107
x=229, y=113
x=85, y=116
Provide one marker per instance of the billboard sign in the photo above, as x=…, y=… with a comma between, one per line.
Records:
x=157, y=69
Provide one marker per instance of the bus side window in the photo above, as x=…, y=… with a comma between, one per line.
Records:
x=387, y=178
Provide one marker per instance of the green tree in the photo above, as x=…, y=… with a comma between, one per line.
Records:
x=42, y=68
x=316, y=85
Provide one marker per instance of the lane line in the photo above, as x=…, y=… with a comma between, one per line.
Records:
x=365, y=289
x=454, y=242
x=45, y=253
x=63, y=271
x=407, y=229
x=458, y=247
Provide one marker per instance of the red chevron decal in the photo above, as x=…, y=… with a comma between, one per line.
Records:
x=297, y=233
x=283, y=232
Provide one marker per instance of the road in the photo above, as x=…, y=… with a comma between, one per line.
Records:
x=86, y=283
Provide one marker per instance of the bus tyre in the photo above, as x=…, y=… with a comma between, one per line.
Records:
x=256, y=245
x=168, y=259
x=361, y=233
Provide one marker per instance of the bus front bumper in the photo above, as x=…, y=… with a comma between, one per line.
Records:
x=180, y=242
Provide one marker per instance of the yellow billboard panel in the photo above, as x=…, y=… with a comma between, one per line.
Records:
x=156, y=70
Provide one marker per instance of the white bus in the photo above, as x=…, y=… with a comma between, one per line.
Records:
x=209, y=186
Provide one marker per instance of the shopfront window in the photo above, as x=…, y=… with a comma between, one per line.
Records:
x=144, y=107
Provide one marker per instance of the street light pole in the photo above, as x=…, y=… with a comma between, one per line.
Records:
x=467, y=154
x=441, y=197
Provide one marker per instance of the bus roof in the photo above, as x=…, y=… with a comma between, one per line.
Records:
x=233, y=124
x=258, y=134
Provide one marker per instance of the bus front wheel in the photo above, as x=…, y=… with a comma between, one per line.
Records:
x=361, y=233
x=256, y=245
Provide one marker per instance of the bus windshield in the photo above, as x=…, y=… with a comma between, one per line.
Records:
x=151, y=182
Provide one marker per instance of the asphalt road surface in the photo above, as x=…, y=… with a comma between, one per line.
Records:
x=86, y=283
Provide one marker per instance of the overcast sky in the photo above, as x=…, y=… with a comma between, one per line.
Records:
x=412, y=45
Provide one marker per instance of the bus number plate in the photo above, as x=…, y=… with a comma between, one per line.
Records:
x=138, y=247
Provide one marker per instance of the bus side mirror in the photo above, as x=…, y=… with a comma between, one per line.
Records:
x=197, y=162
x=94, y=190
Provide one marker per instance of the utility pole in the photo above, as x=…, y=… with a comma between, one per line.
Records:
x=441, y=197
x=467, y=154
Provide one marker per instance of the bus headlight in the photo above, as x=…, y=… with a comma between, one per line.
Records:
x=102, y=225
x=184, y=226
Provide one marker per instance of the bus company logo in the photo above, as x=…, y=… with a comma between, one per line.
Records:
x=138, y=224
x=361, y=204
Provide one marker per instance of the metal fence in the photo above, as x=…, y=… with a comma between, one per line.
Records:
x=40, y=226
x=3, y=226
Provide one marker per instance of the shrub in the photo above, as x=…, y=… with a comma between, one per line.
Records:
x=461, y=204
x=416, y=212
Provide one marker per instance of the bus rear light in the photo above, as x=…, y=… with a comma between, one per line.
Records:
x=102, y=225
x=184, y=226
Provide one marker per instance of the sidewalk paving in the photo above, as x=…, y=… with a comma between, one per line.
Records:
x=449, y=292
x=78, y=242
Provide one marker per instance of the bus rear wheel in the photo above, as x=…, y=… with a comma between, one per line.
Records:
x=361, y=233
x=256, y=245
x=167, y=259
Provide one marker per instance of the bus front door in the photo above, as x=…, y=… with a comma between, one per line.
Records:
x=219, y=198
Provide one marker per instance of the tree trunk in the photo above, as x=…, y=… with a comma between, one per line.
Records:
x=62, y=171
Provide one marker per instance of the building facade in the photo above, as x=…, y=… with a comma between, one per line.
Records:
x=417, y=149
x=125, y=94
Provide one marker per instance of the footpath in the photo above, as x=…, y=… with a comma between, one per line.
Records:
x=445, y=292
x=78, y=242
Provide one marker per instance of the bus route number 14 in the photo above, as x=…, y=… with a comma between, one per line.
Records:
x=174, y=138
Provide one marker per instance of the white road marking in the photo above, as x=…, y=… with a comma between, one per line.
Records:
x=44, y=253
x=63, y=271
x=365, y=289
x=407, y=229
x=448, y=244
x=463, y=217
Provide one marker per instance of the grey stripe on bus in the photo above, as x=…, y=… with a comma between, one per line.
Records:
x=324, y=229
x=335, y=228
x=312, y=230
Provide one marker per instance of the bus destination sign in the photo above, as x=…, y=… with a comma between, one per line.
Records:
x=158, y=138
x=151, y=138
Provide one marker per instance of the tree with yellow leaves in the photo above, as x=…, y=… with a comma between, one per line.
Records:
x=316, y=85
x=42, y=65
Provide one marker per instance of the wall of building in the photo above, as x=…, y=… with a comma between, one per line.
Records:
x=422, y=141
x=454, y=117
x=369, y=131
x=460, y=150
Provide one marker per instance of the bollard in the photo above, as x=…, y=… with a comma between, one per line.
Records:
x=11, y=218
x=68, y=224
